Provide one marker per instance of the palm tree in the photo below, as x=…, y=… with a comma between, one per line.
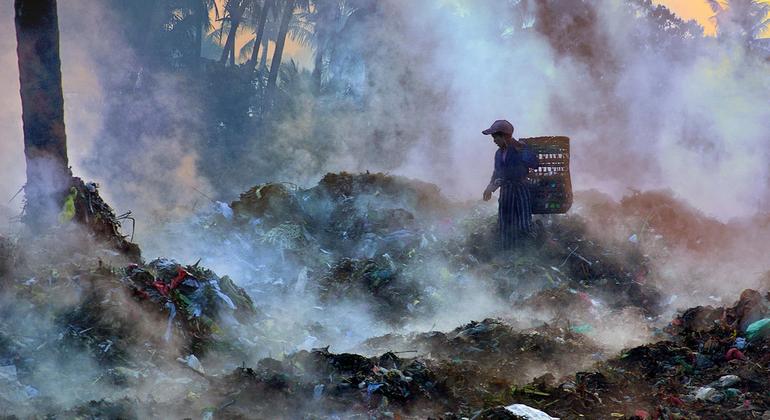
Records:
x=234, y=12
x=740, y=19
x=329, y=19
x=42, y=102
x=203, y=23
x=261, y=22
x=283, y=30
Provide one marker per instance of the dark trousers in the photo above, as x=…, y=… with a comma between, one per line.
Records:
x=514, y=218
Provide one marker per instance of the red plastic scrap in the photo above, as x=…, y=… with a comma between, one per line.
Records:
x=734, y=354
x=640, y=277
x=164, y=288
x=178, y=279
x=675, y=401
x=586, y=298
x=642, y=414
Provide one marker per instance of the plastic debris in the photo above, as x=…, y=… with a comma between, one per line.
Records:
x=224, y=209
x=68, y=207
x=170, y=322
x=318, y=392
x=734, y=354
x=528, y=412
x=581, y=329
x=728, y=381
x=31, y=391
x=193, y=363
x=757, y=328
x=740, y=343
x=709, y=394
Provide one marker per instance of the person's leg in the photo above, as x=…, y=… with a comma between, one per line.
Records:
x=524, y=209
x=506, y=215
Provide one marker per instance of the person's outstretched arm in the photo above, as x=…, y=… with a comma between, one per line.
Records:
x=494, y=183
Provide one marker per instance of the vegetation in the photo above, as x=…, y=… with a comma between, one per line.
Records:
x=246, y=106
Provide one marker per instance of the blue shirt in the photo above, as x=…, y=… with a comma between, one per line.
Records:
x=512, y=166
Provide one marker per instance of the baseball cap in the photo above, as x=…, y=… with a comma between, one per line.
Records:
x=499, y=126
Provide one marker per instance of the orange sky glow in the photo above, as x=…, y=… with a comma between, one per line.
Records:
x=698, y=10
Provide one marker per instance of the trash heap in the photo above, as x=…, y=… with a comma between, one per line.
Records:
x=343, y=385
x=78, y=327
x=197, y=296
x=85, y=206
x=359, y=215
x=400, y=246
x=709, y=363
x=480, y=363
x=163, y=339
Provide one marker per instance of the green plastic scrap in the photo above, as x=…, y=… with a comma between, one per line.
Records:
x=68, y=208
x=528, y=390
x=757, y=328
x=581, y=329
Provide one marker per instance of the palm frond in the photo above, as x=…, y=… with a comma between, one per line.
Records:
x=216, y=10
x=716, y=6
x=302, y=32
x=760, y=28
x=245, y=52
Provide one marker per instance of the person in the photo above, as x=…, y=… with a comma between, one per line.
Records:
x=513, y=160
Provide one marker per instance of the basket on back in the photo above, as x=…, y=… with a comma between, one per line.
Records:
x=550, y=184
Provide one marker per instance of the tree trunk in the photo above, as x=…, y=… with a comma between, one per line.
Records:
x=260, y=32
x=200, y=19
x=318, y=69
x=158, y=18
x=275, y=64
x=235, y=21
x=263, y=57
x=42, y=103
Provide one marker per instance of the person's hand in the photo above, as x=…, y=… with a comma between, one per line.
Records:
x=487, y=195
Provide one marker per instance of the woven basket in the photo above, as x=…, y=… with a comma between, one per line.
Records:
x=550, y=184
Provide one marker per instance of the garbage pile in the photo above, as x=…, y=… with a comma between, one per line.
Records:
x=85, y=206
x=358, y=215
x=78, y=327
x=344, y=285
x=343, y=385
x=197, y=296
x=403, y=248
x=479, y=363
x=709, y=363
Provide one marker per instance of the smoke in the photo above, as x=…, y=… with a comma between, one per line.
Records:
x=691, y=117
x=144, y=156
x=11, y=136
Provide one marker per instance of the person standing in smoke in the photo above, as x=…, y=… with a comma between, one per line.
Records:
x=513, y=160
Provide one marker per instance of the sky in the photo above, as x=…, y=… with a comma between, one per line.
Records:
x=302, y=55
x=698, y=10
x=695, y=9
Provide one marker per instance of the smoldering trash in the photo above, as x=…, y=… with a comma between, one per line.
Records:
x=369, y=296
